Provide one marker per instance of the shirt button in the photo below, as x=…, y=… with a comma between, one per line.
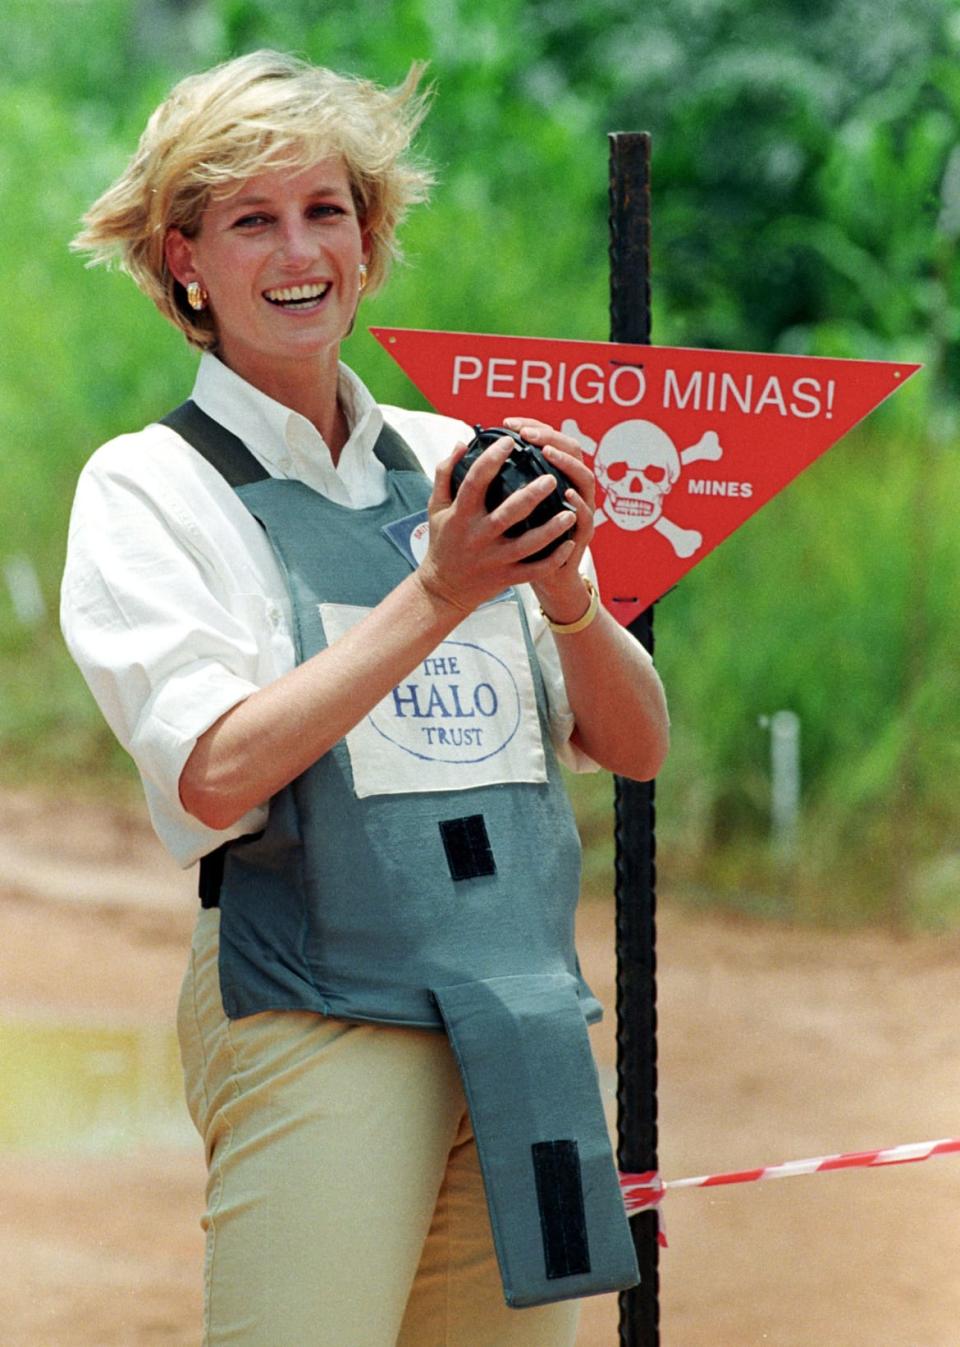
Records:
x=274, y=616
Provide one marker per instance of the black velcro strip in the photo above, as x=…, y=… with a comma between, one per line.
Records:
x=469, y=854
x=211, y=876
x=556, y=1167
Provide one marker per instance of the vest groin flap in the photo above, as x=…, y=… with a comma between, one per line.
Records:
x=558, y=1220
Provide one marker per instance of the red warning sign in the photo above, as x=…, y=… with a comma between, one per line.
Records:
x=685, y=445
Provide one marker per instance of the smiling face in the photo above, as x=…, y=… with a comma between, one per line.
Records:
x=280, y=260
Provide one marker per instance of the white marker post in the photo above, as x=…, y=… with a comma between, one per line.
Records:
x=23, y=586
x=785, y=779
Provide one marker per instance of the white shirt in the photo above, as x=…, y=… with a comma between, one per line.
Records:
x=173, y=604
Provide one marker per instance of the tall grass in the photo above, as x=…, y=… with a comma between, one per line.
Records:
x=837, y=602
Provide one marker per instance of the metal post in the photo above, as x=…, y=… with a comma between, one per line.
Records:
x=635, y=871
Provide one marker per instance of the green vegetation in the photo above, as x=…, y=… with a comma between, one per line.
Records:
x=806, y=198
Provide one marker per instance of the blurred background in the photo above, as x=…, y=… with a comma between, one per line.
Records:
x=806, y=199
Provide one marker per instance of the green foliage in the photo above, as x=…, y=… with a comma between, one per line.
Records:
x=806, y=198
x=837, y=601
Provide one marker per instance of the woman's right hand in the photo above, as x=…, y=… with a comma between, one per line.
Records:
x=469, y=558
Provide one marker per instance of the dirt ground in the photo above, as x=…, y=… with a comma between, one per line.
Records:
x=776, y=1044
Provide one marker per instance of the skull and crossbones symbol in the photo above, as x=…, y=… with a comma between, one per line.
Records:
x=636, y=464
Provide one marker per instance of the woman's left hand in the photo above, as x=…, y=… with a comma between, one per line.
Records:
x=561, y=595
x=612, y=687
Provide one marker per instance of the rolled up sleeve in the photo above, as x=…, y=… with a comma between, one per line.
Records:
x=163, y=651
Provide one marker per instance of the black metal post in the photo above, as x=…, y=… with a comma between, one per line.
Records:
x=635, y=870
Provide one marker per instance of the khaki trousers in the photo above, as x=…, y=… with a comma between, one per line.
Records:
x=345, y=1206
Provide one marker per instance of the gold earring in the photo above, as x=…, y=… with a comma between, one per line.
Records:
x=197, y=297
x=363, y=277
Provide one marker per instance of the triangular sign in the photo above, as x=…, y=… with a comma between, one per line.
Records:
x=686, y=445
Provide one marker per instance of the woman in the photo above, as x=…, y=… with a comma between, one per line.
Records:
x=243, y=596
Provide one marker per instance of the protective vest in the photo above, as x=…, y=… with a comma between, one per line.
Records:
x=425, y=872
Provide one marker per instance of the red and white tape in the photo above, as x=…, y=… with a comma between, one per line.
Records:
x=641, y=1191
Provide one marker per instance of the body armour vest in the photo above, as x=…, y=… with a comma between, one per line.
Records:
x=425, y=872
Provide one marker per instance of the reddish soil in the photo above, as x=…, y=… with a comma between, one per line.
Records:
x=776, y=1044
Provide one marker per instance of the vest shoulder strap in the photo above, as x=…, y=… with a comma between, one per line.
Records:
x=233, y=460
x=394, y=452
x=220, y=447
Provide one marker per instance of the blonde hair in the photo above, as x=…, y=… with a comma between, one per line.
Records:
x=259, y=112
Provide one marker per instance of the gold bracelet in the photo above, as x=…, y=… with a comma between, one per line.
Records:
x=593, y=607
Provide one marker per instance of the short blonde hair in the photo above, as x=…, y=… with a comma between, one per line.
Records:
x=259, y=112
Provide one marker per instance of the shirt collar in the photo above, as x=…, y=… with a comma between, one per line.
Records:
x=286, y=443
